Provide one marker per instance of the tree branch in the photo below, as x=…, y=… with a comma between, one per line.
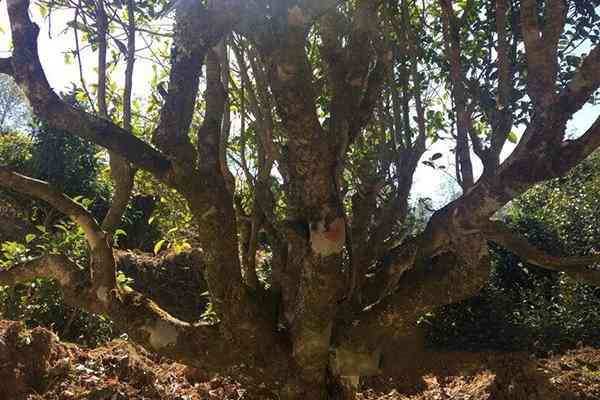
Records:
x=529, y=22
x=120, y=170
x=502, y=117
x=372, y=91
x=583, y=85
x=101, y=29
x=463, y=116
x=260, y=104
x=580, y=148
x=430, y=282
x=225, y=132
x=555, y=14
x=537, y=158
x=541, y=46
x=575, y=266
x=141, y=318
x=187, y=57
x=198, y=28
x=78, y=54
x=138, y=315
x=540, y=155
x=210, y=132
x=103, y=264
x=123, y=178
x=57, y=267
x=354, y=79
x=30, y=76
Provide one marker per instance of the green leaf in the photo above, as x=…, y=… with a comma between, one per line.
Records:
x=80, y=96
x=30, y=237
x=158, y=246
x=120, y=232
x=62, y=228
x=512, y=137
x=79, y=26
x=42, y=10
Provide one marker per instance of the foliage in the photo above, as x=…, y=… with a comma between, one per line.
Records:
x=14, y=110
x=15, y=149
x=66, y=161
x=40, y=303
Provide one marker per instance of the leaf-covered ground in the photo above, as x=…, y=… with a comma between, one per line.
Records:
x=495, y=376
x=35, y=365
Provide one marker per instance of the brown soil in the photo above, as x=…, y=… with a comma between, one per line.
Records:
x=574, y=375
x=35, y=365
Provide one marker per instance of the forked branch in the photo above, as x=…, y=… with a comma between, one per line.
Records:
x=103, y=264
x=541, y=46
x=138, y=315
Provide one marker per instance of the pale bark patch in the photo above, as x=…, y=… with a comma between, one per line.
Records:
x=328, y=239
x=162, y=334
x=102, y=294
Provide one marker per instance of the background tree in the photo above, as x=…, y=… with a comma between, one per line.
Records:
x=337, y=102
x=14, y=112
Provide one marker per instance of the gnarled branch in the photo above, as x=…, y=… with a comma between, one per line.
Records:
x=584, y=83
x=574, y=266
x=142, y=319
x=578, y=149
x=57, y=267
x=187, y=57
x=138, y=315
x=431, y=282
x=29, y=74
x=103, y=264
